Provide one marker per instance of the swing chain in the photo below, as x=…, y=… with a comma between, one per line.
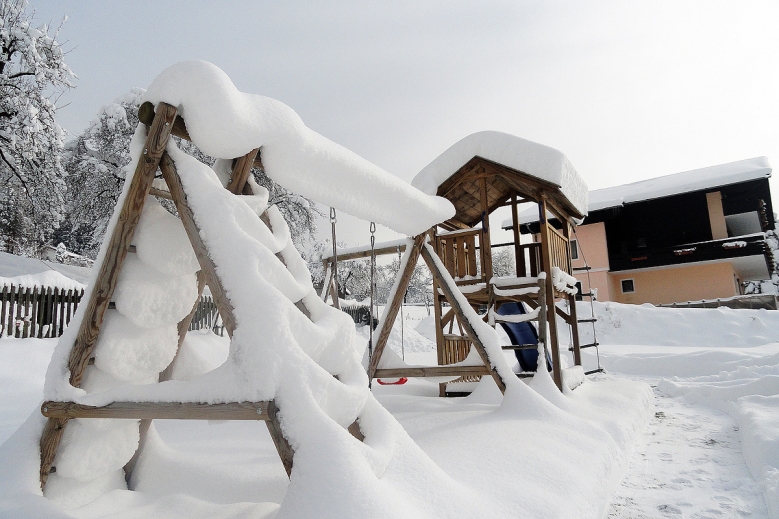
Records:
x=373, y=290
x=333, y=221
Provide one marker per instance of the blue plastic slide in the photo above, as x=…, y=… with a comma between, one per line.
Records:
x=522, y=333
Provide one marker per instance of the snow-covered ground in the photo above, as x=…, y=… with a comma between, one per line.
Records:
x=710, y=448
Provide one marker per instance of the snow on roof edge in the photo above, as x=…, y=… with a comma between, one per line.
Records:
x=690, y=181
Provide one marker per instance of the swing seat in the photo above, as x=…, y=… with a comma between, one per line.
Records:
x=392, y=381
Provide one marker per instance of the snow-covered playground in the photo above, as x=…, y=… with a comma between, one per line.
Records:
x=128, y=414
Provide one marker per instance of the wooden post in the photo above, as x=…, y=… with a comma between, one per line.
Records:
x=118, y=245
x=546, y=259
x=391, y=312
x=445, y=281
x=439, y=321
x=519, y=255
x=241, y=169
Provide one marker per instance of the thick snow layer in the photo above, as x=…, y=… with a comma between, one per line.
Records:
x=151, y=299
x=162, y=243
x=668, y=185
x=46, y=279
x=226, y=123
x=678, y=183
x=12, y=266
x=129, y=352
x=522, y=155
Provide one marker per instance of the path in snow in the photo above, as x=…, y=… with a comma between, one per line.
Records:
x=688, y=465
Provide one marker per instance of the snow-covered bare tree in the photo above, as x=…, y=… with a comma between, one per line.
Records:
x=94, y=162
x=33, y=74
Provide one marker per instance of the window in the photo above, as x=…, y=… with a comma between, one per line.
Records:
x=574, y=249
x=628, y=287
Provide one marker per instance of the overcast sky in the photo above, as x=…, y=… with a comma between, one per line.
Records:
x=626, y=90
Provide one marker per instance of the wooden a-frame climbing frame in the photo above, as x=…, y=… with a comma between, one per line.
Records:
x=160, y=126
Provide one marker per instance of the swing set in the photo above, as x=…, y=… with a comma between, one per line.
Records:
x=458, y=252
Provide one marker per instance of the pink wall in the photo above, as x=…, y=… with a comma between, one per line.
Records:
x=676, y=284
x=591, y=241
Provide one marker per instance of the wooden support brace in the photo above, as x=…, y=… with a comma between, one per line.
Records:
x=108, y=275
x=207, y=266
x=445, y=282
x=412, y=255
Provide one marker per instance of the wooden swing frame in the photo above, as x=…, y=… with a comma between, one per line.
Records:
x=161, y=124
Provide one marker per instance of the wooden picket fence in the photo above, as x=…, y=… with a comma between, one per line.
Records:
x=36, y=311
x=46, y=312
x=207, y=316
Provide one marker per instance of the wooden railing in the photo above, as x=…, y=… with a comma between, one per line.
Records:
x=36, y=311
x=461, y=255
x=560, y=250
x=530, y=262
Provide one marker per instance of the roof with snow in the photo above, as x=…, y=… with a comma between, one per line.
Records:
x=505, y=156
x=708, y=178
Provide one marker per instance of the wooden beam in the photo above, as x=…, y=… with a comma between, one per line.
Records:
x=160, y=193
x=146, y=115
x=391, y=312
x=445, y=282
x=207, y=266
x=160, y=410
x=241, y=170
x=108, y=275
x=519, y=253
x=432, y=371
x=546, y=255
x=286, y=453
x=393, y=249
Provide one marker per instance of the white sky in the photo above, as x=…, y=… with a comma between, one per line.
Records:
x=626, y=90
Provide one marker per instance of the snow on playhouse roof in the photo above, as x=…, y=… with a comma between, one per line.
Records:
x=226, y=123
x=529, y=157
x=675, y=184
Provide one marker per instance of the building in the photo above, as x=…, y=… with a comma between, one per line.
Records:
x=688, y=236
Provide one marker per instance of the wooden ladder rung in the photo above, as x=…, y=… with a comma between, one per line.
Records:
x=526, y=374
x=592, y=320
x=583, y=346
x=520, y=347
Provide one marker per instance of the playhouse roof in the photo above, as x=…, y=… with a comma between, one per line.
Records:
x=510, y=158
